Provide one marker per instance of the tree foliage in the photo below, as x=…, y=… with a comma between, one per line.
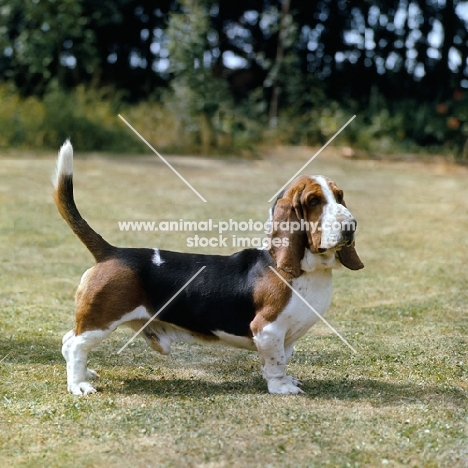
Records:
x=274, y=56
x=196, y=93
x=405, y=48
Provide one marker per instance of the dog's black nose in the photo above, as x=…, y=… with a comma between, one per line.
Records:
x=321, y=250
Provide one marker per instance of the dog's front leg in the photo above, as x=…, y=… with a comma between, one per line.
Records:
x=273, y=359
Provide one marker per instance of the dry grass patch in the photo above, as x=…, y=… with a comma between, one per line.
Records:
x=401, y=401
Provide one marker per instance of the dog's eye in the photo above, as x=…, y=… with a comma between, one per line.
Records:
x=339, y=196
x=313, y=201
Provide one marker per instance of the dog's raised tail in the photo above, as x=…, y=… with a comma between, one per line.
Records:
x=63, y=196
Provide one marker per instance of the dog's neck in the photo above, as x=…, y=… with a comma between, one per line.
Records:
x=312, y=262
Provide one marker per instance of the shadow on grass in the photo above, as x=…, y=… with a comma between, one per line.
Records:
x=380, y=392
x=33, y=350
x=190, y=387
x=374, y=391
x=46, y=350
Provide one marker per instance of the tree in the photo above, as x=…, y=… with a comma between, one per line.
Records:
x=38, y=39
x=197, y=94
x=403, y=49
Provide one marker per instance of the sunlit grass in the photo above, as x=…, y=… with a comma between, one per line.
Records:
x=401, y=401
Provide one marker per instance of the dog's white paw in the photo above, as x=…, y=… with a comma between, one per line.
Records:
x=90, y=374
x=293, y=380
x=81, y=388
x=284, y=386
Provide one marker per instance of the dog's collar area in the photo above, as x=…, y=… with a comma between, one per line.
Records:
x=287, y=275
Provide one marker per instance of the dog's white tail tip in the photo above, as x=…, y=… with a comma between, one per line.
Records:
x=64, y=162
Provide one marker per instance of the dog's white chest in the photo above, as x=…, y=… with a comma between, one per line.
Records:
x=315, y=291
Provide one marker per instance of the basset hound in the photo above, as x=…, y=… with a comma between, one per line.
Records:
x=243, y=300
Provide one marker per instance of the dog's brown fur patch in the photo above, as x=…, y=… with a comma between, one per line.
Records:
x=108, y=291
x=270, y=297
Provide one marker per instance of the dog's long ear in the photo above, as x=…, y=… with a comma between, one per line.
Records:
x=349, y=258
x=348, y=255
x=287, y=248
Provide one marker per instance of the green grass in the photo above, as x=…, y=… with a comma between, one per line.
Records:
x=401, y=401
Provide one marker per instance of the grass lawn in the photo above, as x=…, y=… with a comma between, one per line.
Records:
x=401, y=401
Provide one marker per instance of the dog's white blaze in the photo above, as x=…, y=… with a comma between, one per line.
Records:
x=327, y=191
x=333, y=215
x=157, y=260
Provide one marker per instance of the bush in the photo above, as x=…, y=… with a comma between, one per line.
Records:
x=90, y=118
x=20, y=120
x=83, y=115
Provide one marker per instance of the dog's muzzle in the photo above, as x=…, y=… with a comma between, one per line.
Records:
x=337, y=227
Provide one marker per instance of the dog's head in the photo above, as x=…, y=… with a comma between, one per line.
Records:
x=311, y=214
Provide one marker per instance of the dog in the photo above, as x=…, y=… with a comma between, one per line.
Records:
x=247, y=300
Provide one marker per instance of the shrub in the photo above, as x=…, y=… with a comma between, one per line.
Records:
x=84, y=115
x=90, y=118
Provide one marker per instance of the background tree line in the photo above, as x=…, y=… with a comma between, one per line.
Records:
x=240, y=71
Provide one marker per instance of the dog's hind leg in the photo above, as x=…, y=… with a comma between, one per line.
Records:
x=109, y=295
x=90, y=374
x=75, y=350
